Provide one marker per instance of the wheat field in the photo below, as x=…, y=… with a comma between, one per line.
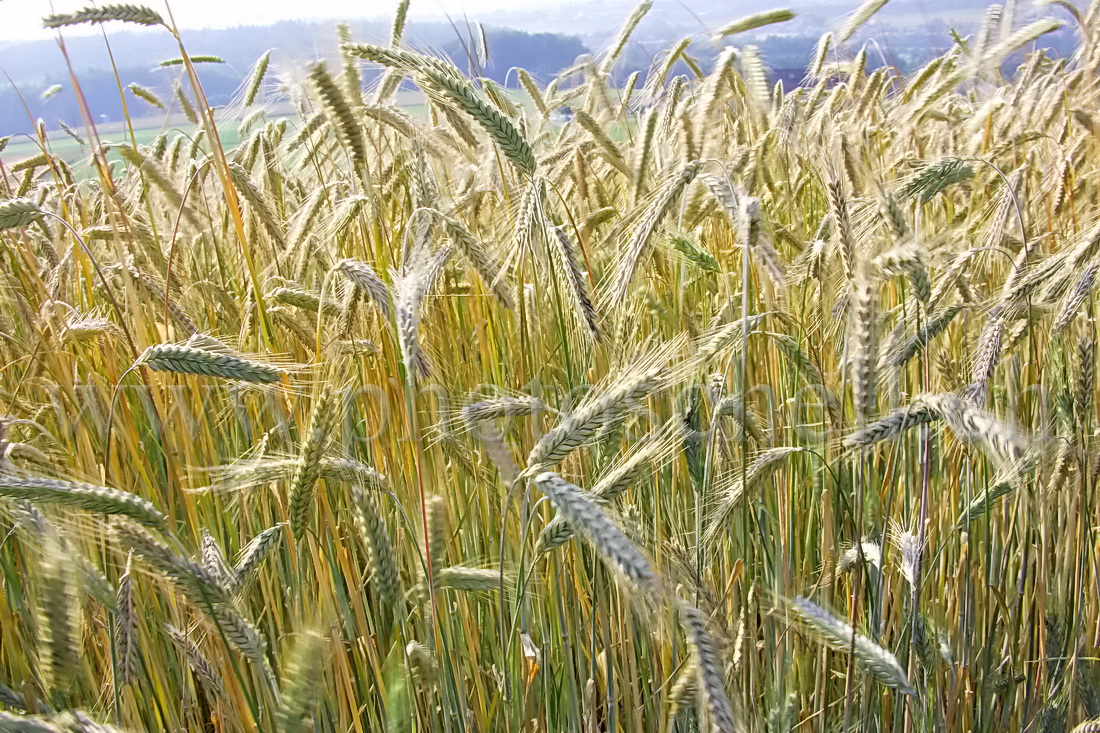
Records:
x=708, y=406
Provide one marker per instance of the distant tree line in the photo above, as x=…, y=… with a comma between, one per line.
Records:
x=542, y=54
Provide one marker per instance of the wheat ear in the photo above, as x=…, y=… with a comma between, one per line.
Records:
x=840, y=635
x=985, y=362
x=973, y=425
x=183, y=359
x=714, y=701
x=308, y=470
x=569, y=267
x=468, y=580
x=58, y=616
x=752, y=22
x=83, y=496
x=492, y=272
x=301, y=684
x=124, y=12
x=383, y=567
x=19, y=213
x=258, y=471
x=863, y=349
x=604, y=408
x=203, y=590
x=762, y=467
x=200, y=665
x=146, y=95
x=654, y=448
x=252, y=556
x=584, y=515
x=364, y=277
x=636, y=247
x=339, y=112
x=891, y=425
x=126, y=629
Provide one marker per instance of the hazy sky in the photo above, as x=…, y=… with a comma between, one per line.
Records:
x=22, y=19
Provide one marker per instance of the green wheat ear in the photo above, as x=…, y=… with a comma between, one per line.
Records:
x=81, y=496
x=19, y=213
x=184, y=359
x=124, y=12
x=146, y=95
x=59, y=616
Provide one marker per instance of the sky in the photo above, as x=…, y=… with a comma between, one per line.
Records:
x=22, y=19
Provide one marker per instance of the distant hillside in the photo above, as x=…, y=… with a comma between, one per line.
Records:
x=905, y=34
x=39, y=66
